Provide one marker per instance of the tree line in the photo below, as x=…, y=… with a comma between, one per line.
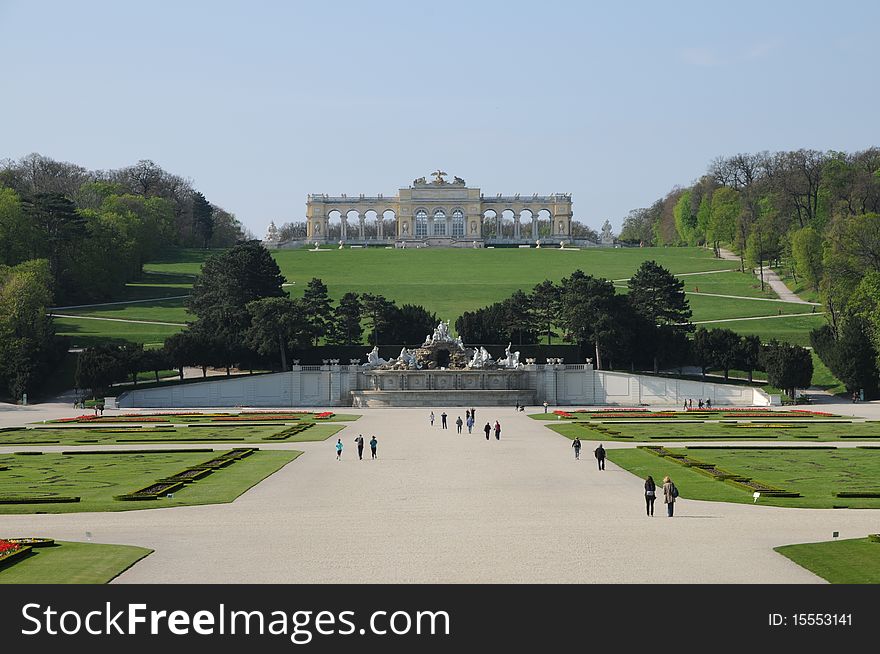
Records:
x=815, y=216
x=69, y=235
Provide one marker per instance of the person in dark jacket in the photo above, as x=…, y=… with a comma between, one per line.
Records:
x=670, y=492
x=650, y=495
x=360, y=445
x=488, y=430
x=576, y=444
x=600, y=456
x=497, y=431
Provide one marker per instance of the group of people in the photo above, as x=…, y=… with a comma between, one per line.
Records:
x=469, y=421
x=670, y=492
x=689, y=403
x=360, y=447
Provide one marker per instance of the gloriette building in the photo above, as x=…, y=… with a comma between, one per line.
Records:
x=439, y=213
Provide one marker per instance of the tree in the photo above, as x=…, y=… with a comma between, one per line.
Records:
x=702, y=350
x=588, y=311
x=725, y=346
x=755, y=251
x=788, y=367
x=409, y=324
x=379, y=313
x=98, y=367
x=277, y=323
x=227, y=283
x=485, y=326
x=317, y=308
x=749, y=355
x=59, y=230
x=806, y=249
x=544, y=301
x=723, y=217
x=518, y=318
x=345, y=327
x=203, y=217
x=131, y=359
x=154, y=361
x=658, y=296
x=180, y=350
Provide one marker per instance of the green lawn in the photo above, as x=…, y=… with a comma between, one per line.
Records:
x=72, y=563
x=97, y=478
x=814, y=473
x=129, y=434
x=663, y=430
x=85, y=333
x=447, y=282
x=854, y=561
x=794, y=329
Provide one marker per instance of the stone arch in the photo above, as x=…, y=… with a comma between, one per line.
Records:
x=389, y=223
x=490, y=223
x=507, y=224
x=351, y=226
x=527, y=225
x=372, y=228
x=334, y=225
x=545, y=223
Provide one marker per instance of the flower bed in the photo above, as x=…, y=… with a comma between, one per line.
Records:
x=324, y=415
x=10, y=551
x=152, y=492
x=33, y=542
x=563, y=414
x=287, y=433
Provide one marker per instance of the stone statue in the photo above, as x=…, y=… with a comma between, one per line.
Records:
x=272, y=234
x=481, y=359
x=458, y=180
x=607, y=235
x=317, y=228
x=408, y=359
x=373, y=359
x=419, y=180
x=511, y=359
x=405, y=230
x=438, y=175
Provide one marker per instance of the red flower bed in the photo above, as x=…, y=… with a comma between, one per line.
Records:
x=563, y=414
x=324, y=415
x=8, y=550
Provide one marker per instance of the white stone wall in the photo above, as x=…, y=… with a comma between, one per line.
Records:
x=331, y=385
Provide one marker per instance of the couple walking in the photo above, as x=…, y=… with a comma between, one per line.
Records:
x=488, y=429
x=670, y=493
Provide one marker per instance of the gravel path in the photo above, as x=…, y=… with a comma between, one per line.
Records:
x=442, y=507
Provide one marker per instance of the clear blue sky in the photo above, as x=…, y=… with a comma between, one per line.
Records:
x=260, y=103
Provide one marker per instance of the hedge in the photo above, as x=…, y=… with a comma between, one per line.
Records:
x=59, y=499
x=168, y=451
x=852, y=494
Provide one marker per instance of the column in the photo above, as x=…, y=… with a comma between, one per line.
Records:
x=534, y=226
x=516, y=227
x=361, y=225
x=343, y=226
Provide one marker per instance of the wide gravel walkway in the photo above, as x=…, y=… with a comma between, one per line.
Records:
x=441, y=507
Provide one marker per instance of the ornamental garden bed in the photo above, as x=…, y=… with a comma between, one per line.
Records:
x=11, y=552
x=189, y=475
x=152, y=492
x=851, y=494
x=58, y=499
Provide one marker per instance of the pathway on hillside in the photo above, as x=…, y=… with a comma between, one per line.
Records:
x=442, y=507
x=771, y=278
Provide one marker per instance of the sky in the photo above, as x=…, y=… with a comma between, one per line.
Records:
x=259, y=103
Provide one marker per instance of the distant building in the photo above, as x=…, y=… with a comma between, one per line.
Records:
x=439, y=213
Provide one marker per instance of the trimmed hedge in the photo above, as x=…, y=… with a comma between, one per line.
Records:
x=152, y=492
x=59, y=499
x=852, y=494
x=168, y=451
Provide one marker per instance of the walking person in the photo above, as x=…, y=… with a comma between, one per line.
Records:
x=360, y=443
x=474, y=414
x=576, y=444
x=470, y=423
x=545, y=407
x=685, y=405
x=690, y=403
x=458, y=424
x=708, y=402
x=600, y=456
x=670, y=492
x=339, y=449
x=488, y=430
x=432, y=418
x=373, y=444
x=650, y=495
x=497, y=431
x=443, y=420
x=701, y=403
x=467, y=415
